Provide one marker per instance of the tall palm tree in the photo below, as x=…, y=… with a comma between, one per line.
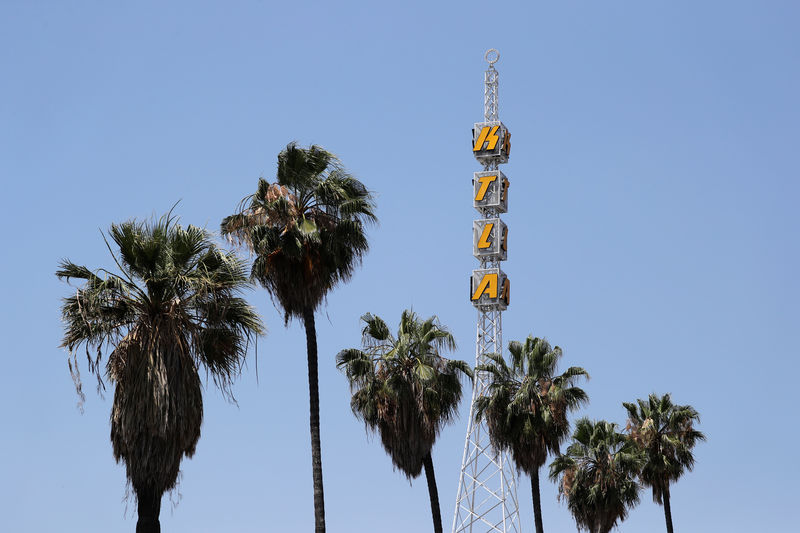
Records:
x=527, y=404
x=597, y=475
x=307, y=233
x=665, y=432
x=172, y=307
x=406, y=391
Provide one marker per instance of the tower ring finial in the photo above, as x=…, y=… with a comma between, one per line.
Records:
x=492, y=56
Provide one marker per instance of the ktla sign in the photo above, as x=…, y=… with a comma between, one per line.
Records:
x=491, y=140
x=490, y=287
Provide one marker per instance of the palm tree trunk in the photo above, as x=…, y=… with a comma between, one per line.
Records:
x=313, y=395
x=433, y=492
x=149, y=508
x=537, y=503
x=667, y=508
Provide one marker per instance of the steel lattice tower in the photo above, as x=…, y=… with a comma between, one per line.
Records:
x=487, y=491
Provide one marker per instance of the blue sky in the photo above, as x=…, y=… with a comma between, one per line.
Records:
x=653, y=231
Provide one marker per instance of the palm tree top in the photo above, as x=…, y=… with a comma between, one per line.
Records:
x=311, y=187
x=538, y=362
x=402, y=386
x=417, y=348
x=528, y=401
x=166, y=274
x=665, y=431
x=428, y=335
x=597, y=475
x=306, y=228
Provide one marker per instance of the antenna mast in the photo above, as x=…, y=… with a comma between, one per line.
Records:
x=487, y=491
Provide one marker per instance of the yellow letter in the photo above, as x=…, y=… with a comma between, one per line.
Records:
x=506, y=185
x=483, y=242
x=486, y=135
x=485, y=181
x=488, y=285
x=481, y=139
x=504, y=245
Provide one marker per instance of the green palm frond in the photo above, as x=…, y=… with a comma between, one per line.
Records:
x=375, y=329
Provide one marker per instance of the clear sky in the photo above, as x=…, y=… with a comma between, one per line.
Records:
x=653, y=232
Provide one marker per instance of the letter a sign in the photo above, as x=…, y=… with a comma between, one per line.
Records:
x=490, y=288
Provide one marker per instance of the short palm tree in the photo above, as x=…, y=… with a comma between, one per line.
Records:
x=406, y=391
x=665, y=432
x=172, y=308
x=307, y=233
x=526, y=406
x=597, y=475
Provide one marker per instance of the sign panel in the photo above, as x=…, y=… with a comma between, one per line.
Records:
x=490, y=288
x=491, y=141
x=490, y=239
x=490, y=191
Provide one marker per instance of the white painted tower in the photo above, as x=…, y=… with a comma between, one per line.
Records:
x=487, y=490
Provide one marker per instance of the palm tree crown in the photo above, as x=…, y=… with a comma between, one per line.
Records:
x=402, y=387
x=406, y=391
x=173, y=307
x=526, y=406
x=306, y=229
x=665, y=432
x=597, y=475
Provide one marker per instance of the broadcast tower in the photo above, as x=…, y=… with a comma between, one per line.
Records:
x=487, y=491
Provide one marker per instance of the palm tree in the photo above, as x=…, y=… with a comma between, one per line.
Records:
x=526, y=406
x=664, y=432
x=406, y=391
x=598, y=475
x=307, y=233
x=172, y=308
